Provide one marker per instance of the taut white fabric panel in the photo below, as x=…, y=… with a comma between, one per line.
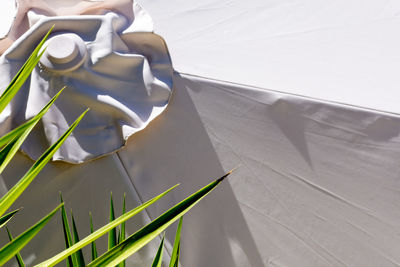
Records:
x=317, y=183
x=336, y=50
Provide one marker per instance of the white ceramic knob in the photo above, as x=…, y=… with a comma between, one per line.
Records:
x=64, y=53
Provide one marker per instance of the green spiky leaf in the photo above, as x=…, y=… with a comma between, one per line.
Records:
x=122, y=233
x=102, y=231
x=8, y=199
x=16, y=137
x=80, y=260
x=139, y=239
x=66, y=231
x=6, y=218
x=12, y=248
x=112, y=235
x=22, y=74
x=177, y=245
x=18, y=257
x=158, y=258
x=92, y=244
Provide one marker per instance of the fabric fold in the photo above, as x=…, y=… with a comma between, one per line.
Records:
x=123, y=76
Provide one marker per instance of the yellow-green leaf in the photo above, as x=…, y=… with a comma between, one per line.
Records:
x=158, y=258
x=18, y=257
x=177, y=245
x=8, y=199
x=112, y=235
x=79, y=259
x=100, y=232
x=92, y=244
x=122, y=232
x=18, y=135
x=66, y=231
x=6, y=218
x=12, y=248
x=139, y=239
x=22, y=74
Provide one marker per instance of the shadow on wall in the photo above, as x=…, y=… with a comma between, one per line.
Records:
x=175, y=148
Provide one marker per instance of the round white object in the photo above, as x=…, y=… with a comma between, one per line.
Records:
x=64, y=53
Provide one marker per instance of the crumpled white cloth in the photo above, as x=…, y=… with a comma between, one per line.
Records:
x=126, y=81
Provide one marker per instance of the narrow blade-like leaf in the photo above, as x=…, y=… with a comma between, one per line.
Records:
x=22, y=74
x=19, y=135
x=12, y=248
x=93, y=244
x=8, y=199
x=6, y=218
x=177, y=245
x=15, y=133
x=112, y=235
x=67, y=232
x=158, y=258
x=80, y=260
x=18, y=257
x=122, y=232
x=102, y=231
x=139, y=239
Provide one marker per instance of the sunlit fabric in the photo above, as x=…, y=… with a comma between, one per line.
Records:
x=123, y=74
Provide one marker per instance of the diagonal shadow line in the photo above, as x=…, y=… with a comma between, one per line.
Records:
x=176, y=148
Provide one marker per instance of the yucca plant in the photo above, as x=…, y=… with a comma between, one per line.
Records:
x=115, y=236
x=117, y=253
x=120, y=247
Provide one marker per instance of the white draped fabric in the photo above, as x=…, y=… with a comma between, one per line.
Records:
x=318, y=180
x=122, y=73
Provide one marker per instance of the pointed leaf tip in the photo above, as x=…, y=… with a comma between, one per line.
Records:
x=177, y=243
x=12, y=248
x=226, y=175
x=112, y=235
x=77, y=257
x=18, y=257
x=139, y=239
x=6, y=218
x=102, y=231
x=158, y=258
